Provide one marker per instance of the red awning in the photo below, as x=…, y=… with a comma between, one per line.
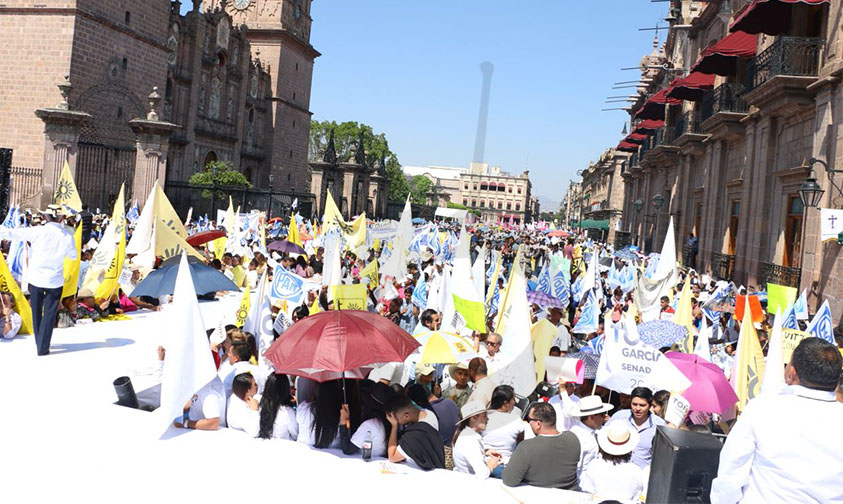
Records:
x=721, y=58
x=653, y=108
x=770, y=16
x=648, y=125
x=627, y=147
x=637, y=138
x=692, y=87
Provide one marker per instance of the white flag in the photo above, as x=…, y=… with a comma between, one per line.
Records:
x=773, y=381
x=259, y=322
x=626, y=363
x=703, y=348
x=188, y=365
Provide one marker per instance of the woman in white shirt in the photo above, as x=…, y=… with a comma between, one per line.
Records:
x=612, y=476
x=504, y=428
x=277, y=416
x=470, y=456
x=375, y=427
x=319, y=419
x=242, y=411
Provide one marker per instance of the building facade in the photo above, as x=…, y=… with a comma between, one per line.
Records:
x=733, y=108
x=147, y=94
x=602, y=195
x=445, y=179
x=497, y=195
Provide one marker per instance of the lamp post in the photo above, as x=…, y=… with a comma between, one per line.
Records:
x=271, y=179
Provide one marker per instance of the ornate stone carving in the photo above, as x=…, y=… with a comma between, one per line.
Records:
x=214, y=100
x=223, y=33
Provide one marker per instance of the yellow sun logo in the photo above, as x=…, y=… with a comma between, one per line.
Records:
x=64, y=191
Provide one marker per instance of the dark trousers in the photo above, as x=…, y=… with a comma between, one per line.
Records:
x=45, y=306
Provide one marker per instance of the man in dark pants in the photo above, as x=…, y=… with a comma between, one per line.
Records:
x=87, y=223
x=50, y=244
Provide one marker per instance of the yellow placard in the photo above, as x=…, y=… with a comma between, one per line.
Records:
x=349, y=297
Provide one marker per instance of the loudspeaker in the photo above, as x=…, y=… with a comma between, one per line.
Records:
x=683, y=466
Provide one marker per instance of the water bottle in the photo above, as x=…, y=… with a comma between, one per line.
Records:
x=367, y=448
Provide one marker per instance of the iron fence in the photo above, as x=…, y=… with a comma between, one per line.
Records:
x=725, y=98
x=208, y=199
x=787, y=56
x=723, y=266
x=689, y=122
x=781, y=275
x=25, y=185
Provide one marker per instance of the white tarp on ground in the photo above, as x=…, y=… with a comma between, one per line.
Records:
x=64, y=438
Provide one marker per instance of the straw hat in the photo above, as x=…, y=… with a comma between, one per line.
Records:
x=424, y=370
x=591, y=405
x=617, y=438
x=85, y=292
x=453, y=368
x=54, y=211
x=472, y=408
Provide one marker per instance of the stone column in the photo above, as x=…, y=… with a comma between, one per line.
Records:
x=152, y=141
x=62, y=127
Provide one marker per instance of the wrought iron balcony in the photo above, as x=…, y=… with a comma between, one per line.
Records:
x=622, y=239
x=725, y=98
x=723, y=265
x=689, y=258
x=787, y=56
x=689, y=122
x=781, y=275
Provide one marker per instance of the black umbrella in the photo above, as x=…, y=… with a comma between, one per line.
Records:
x=163, y=280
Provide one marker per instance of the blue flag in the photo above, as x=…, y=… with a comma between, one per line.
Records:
x=590, y=315
x=561, y=288
x=790, y=318
x=420, y=294
x=544, y=281
x=821, y=325
x=595, y=346
x=133, y=214
x=800, y=306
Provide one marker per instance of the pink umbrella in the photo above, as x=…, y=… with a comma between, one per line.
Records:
x=710, y=391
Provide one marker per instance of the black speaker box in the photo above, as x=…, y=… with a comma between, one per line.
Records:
x=683, y=466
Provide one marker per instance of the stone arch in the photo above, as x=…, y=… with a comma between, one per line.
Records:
x=112, y=106
x=210, y=157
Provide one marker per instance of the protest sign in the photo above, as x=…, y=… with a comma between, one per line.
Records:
x=289, y=286
x=790, y=340
x=677, y=409
x=779, y=297
x=754, y=308
x=569, y=370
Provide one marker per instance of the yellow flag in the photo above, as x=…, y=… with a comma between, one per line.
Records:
x=8, y=284
x=685, y=318
x=543, y=333
x=71, y=267
x=167, y=215
x=371, y=272
x=314, y=308
x=376, y=244
x=263, y=234
x=503, y=313
x=293, y=232
x=169, y=244
x=66, y=193
x=350, y=297
x=357, y=232
x=219, y=247
x=332, y=217
x=243, y=310
x=107, y=264
x=749, y=361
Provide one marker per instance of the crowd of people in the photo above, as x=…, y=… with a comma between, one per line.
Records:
x=571, y=434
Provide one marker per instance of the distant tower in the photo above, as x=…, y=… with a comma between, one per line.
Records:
x=480, y=143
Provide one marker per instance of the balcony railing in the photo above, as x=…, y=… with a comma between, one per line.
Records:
x=723, y=265
x=622, y=239
x=787, y=56
x=781, y=275
x=689, y=257
x=689, y=122
x=726, y=98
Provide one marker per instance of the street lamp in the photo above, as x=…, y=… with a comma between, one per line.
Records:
x=810, y=191
x=658, y=201
x=271, y=178
x=638, y=204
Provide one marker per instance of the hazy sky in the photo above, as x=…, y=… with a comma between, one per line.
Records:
x=411, y=69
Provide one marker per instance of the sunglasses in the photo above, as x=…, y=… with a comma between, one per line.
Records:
x=491, y=343
x=532, y=419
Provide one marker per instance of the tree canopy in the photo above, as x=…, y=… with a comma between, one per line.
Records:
x=345, y=141
x=219, y=173
x=420, y=189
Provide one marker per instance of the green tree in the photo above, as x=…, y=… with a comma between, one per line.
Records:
x=219, y=173
x=420, y=189
x=375, y=145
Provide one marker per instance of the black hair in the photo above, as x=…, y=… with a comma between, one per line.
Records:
x=665, y=299
x=241, y=350
x=301, y=312
x=398, y=403
x=427, y=316
x=419, y=395
x=326, y=406
x=241, y=384
x=276, y=393
x=615, y=459
x=501, y=395
x=544, y=413
x=817, y=363
x=643, y=393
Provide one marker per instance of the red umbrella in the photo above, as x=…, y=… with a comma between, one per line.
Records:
x=558, y=232
x=331, y=344
x=274, y=220
x=710, y=391
x=205, y=236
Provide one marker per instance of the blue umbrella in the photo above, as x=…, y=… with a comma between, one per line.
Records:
x=163, y=280
x=661, y=333
x=418, y=220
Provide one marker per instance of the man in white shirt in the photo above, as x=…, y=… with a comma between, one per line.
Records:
x=565, y=403
x=785, y=448
x=591, y=412
x=563, y=337
x=489, y=351
x=50, y=245
x=238, y=356
x=483, y=384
